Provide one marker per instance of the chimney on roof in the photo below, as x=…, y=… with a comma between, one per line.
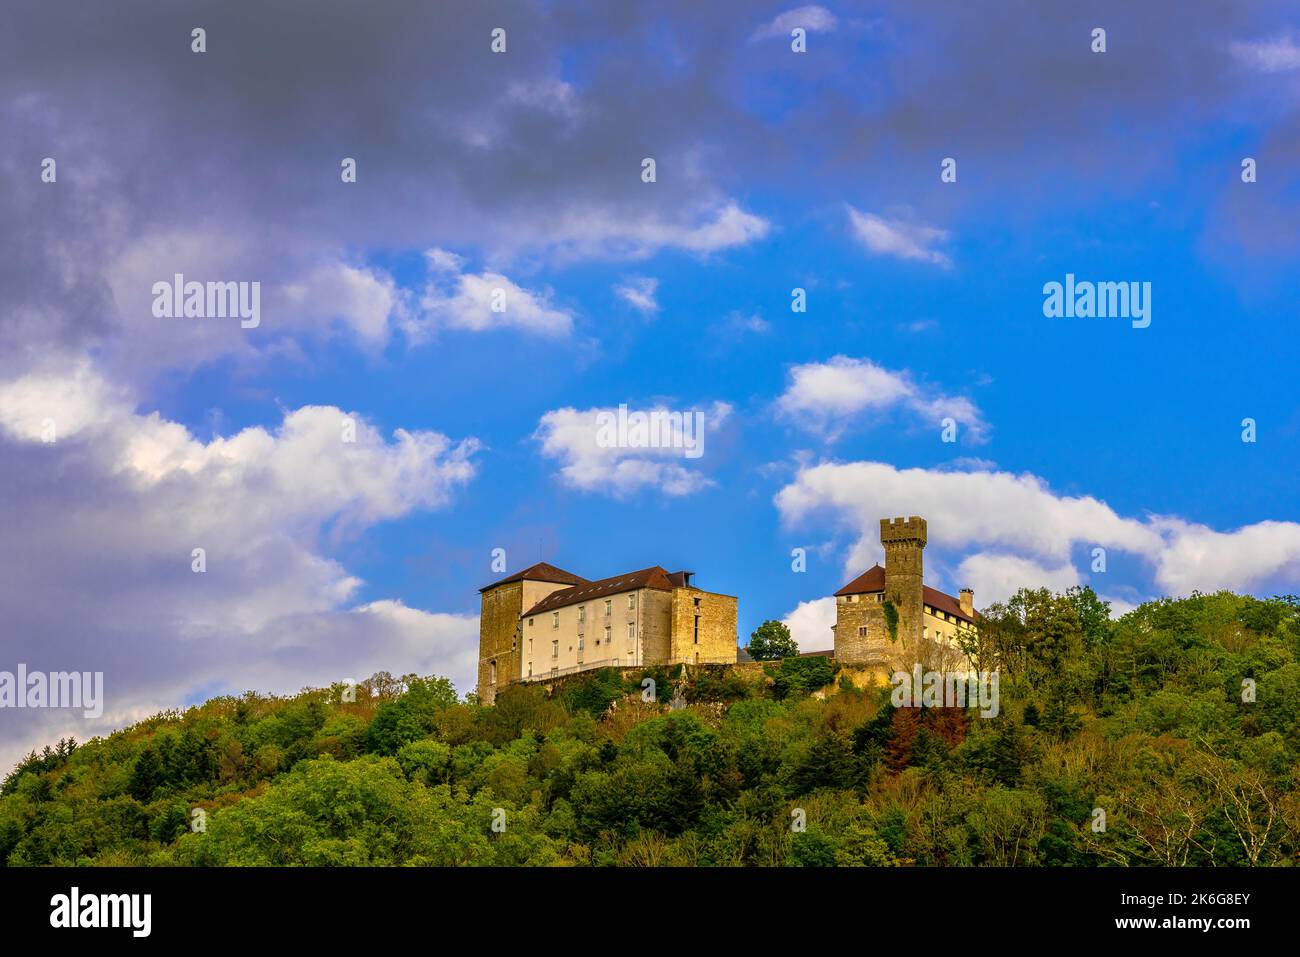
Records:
x=968, y=602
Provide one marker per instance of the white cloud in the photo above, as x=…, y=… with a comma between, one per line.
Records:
x=364, y=300
x=1008, y=525
x=894, y=237
x=607, y=233
x=573, y=437
x=1197, y=556
x=70, y=400
x=996, y=577
x=639, y=292
x=825, y=397
x=99, y=544
x=813, y=18
x=483, y=301
x=811, y=622
x=312, y=296
x=1277, y=55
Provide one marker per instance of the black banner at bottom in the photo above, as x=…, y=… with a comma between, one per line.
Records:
x=304, y=906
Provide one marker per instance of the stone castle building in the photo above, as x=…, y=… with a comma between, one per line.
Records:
x=889, y=613
x=544, y=621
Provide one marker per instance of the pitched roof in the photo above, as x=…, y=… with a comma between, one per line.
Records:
x=873, y=580
x=937, y=599
x=653, y=577
x=541, y=572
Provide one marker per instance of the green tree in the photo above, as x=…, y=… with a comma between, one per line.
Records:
x=771, y=640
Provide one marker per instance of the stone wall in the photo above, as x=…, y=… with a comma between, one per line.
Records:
x=861, y=632
x=498, y=637
x=703, y=626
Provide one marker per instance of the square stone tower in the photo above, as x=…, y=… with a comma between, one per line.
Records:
x=500, y=652
x=903, y=540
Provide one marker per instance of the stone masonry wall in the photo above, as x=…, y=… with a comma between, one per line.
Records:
x=716, y=636
x=852, y=646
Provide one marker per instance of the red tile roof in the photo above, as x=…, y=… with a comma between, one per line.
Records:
x=937, y=599
x=653, y=577
x=541, y=572
x=873, y=580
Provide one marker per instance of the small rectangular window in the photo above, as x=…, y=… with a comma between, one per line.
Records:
x=609, y=607
x=582, y=642
x=555, y=649
x=607, y=634
x=862, y=631
x=631, y=631
x=631, y=600
x=555, y=619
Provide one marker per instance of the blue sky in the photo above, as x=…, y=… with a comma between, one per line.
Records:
x=521, y=171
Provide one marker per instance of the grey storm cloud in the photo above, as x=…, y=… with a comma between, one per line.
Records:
x=538, y=149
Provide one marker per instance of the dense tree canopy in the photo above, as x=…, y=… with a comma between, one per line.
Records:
x=1168, y=736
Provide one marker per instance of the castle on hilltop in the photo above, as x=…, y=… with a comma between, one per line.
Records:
x=545, y=622
x=888, y=612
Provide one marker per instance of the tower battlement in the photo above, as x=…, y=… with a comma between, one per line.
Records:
x=901, y=529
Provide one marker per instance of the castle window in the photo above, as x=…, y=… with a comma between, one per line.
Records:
x=880, y=597
x=631, y=631
x=530, y=669
x=697, y=631
x=492, y=673
x=607, y=638
x=530, y=622
x=582, y=642
x=582, y=614
x=697, y=603
x=555, y=649
x=555, y=619
x=631, y=600
x=609, y=606
x=862, y=631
